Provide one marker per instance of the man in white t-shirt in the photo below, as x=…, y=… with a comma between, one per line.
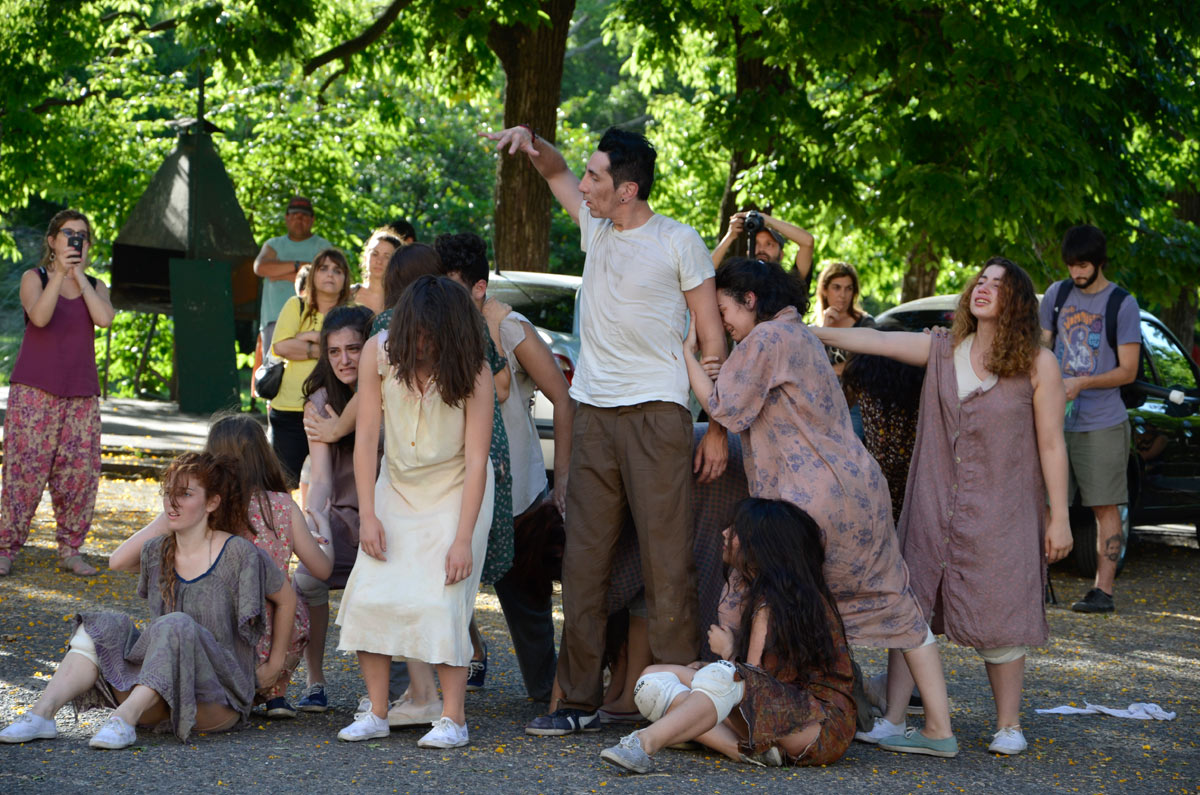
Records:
x=632, y=444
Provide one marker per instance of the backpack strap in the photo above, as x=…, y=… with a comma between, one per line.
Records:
x=1060, y=300
x=1111, y=310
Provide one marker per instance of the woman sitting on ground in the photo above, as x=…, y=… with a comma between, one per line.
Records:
x=782, y=689
x=193, y=668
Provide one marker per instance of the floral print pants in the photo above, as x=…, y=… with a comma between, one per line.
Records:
x=49, y=441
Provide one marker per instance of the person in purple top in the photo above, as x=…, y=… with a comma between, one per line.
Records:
x=1096, y=362
x=52, y=425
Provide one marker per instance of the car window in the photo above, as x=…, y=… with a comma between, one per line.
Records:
x=546, y=305
x=923, y=319
x=1172, y=364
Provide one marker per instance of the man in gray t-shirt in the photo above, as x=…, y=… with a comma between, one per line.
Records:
x=1096, y=425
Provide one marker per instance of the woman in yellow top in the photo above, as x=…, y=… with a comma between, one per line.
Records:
x=297, y=341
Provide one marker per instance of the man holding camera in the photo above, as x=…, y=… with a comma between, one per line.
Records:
x=767, y=241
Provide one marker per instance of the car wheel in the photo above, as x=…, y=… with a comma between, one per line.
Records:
x=1083, y=533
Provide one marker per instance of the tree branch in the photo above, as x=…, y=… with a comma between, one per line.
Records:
x=361, y=41
x=58, y=102
x=329, y=81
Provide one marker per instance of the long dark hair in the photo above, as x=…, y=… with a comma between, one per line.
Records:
x=337, y=394
x=773, y=287
x=780, y=558
x=242, y=439
x=896, y=385
x=408, y=263
x=216, y=474
x=438, y=310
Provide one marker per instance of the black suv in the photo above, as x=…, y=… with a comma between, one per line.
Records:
x=1164, y=457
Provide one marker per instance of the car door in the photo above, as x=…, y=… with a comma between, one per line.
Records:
x=1165, y=434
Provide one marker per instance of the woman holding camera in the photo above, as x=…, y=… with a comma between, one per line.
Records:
x=52, y=425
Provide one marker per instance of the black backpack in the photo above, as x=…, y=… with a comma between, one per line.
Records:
x=1131, y=396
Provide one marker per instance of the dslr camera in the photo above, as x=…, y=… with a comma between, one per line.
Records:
x=753, y=224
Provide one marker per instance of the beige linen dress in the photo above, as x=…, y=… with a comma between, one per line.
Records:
x=402, y=606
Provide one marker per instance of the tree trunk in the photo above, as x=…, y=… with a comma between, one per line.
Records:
x=753, y=78
x=1180, y=317
x=533, y=62
x=921, y=278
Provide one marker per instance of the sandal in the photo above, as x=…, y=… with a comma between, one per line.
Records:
x=78, y=566
x=5, y=566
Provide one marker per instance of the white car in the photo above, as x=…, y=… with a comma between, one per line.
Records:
x=551, y=302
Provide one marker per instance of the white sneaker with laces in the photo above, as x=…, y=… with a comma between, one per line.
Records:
x=1009, y=740
x=366, y=726
x=445, y=734
x=29, y=727
x=883, y=728
x=114, y=735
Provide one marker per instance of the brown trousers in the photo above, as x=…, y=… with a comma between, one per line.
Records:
x=628, y=461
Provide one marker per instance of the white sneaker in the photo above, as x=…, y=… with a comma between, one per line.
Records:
x=882, y=729
x=366, y=726
x=445, y=734
x=364, y=705
x=113, y=735
x=29, y=727
x=403, y=712
x=1009, y=740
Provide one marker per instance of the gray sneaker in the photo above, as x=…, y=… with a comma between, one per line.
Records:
x=29, y=727
x=628, y=754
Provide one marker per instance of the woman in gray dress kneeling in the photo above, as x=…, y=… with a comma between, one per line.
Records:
x=193, y=668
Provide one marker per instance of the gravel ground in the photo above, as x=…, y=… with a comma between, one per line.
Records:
x=1148, y=651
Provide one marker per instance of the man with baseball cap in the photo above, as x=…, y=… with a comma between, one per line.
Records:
x=281, y=258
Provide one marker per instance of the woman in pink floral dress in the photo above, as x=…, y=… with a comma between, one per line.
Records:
x=778, y=390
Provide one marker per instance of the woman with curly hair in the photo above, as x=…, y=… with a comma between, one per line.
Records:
x=989, y=450
x=193, y=666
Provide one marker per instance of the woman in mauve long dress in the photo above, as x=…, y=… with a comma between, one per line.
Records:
x=989, y=452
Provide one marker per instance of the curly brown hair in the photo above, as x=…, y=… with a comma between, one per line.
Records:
x=1018, y=330
x=437, y=311
x=216, y=474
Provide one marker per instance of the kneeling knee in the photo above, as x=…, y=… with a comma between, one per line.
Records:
x=655, y=691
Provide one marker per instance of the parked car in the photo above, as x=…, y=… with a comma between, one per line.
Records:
x=551, y=302
x=1164, y=455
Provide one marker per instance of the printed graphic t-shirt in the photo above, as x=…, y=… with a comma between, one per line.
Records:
x=1082, y=349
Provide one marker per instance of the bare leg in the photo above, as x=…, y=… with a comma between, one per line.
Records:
x=1108, y=545
x=690, y=715
x=476, y=639
x=454, y=691
x=556, y=696
x=375, y=669
x=925, y=665
x=616, y=683
x=637, y=660
x=899, y=685
x=140, y=701
x=720, y=738
x=1007, y=680
x=422, y=689
x=314, y=652
x=74, y=677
